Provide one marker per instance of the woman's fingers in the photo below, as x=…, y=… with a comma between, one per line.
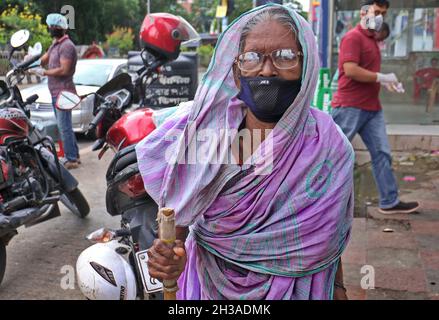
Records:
x=180, y=252
x=164, y=276
x=166, y=262
x=160, y=260
x=169, y=269
x=179, y=249
x=159, y=271
x=156, y=271
x=163, y=249
x=167, y=251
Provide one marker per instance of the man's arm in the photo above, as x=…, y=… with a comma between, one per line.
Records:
x=350, y=57
x=389, y=80
x=63, y=70
x=45, y=59
x=353, y=71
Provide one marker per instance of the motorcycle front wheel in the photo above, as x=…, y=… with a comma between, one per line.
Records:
x=2, y=260
x=76, y=203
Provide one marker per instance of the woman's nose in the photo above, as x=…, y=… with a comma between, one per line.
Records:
x=268, y=69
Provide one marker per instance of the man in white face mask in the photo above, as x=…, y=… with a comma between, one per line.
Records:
x=357, y=108
x=371, y=19
x=60, y=60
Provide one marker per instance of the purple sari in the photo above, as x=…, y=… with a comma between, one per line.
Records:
x=275, y=227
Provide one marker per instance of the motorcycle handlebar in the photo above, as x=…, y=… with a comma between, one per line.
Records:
x=97, y=119
x=147, y=71
x=101, y=112
x=123, y=233
x=31, y=99
x=27, y=63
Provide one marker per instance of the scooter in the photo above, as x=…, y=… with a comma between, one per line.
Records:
x=32, y=180
x=120, y=129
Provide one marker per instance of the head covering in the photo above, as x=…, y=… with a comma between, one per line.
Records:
x=57, y=20
x=256, y=229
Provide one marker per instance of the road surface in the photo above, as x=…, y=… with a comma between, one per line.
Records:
x=41, y=259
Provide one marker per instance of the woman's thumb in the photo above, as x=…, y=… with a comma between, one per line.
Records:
x=179, y=248
x=179, y=251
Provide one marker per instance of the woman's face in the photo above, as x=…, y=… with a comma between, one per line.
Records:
x=265, y=38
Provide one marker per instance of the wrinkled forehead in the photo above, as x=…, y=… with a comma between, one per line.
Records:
x=230, y=41
x=267, y=36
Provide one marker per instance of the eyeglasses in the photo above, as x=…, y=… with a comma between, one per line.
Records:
x=282, y=59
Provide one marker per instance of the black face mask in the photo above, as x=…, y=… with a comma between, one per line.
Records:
x=56, y=33
x=268, y=97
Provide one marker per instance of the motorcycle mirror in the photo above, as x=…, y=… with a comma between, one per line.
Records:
x=19, y=38
x=67, y=101
x=102, y=235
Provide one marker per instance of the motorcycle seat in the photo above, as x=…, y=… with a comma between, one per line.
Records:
x=121, y=160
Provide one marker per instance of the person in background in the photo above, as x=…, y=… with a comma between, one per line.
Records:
x=432, y=79
x=382, y=35
x=357, y=108
x=60, y=61
x=434, y=63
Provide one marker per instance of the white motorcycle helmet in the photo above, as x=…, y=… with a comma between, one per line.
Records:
x=103, y=274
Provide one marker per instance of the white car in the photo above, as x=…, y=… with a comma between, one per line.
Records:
x=90, y=75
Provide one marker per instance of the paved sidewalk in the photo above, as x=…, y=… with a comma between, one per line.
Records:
x=402, y=249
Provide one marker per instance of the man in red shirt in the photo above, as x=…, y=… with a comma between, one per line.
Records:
x=357, y=108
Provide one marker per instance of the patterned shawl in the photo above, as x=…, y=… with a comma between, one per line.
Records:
x=275, y=227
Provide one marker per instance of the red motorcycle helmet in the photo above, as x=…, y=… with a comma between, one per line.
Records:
x=164, y=33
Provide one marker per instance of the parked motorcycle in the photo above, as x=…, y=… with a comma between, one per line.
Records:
x=32, y=180
x=116, y=267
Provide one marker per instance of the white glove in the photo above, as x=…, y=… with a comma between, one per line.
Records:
x=35, y=50
x=388, y=86
x=398, y=87
x=386, y=78
x=37, y=71
x=394, y=87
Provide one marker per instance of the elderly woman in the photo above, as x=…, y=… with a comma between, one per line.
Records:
x=271, y=224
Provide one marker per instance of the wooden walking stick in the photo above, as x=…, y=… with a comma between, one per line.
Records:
x=166, y=219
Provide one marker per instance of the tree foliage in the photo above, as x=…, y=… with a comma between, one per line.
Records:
x=14, y=18
x=241, y=6
x=121, y=38
x=94, y=19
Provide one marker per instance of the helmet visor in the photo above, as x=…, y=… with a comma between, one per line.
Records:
x=189, y=36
